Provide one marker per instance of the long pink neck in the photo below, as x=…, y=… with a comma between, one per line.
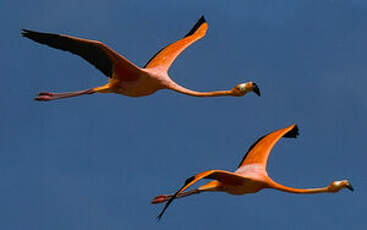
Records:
x=283, y=188
x=190, y=92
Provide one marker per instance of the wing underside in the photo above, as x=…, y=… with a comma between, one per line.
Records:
x=259, y=152
x=166, y=56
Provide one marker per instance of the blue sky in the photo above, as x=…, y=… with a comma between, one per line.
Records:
x=95, y=162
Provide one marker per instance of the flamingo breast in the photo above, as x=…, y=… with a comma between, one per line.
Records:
x=249, y=186
x=144, y=84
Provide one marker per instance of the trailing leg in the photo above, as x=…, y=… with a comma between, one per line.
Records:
x=48, y=96
x=164, y=197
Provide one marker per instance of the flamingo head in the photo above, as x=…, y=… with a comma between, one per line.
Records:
x=335, y=186
x=243, y=88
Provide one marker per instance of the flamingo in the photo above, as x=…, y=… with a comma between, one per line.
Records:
x=251, y=175
x=125, y=77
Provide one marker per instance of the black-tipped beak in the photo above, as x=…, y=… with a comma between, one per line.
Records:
x=350, y=187
x=256, y=89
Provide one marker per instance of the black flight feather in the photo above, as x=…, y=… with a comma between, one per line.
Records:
x=91, y=52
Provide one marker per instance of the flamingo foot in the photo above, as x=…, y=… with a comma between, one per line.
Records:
x=161, y=199
x=45, y=96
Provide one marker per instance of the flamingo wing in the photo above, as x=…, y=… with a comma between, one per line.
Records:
x=259, y=152
x=95, y=52
x=220, y=175
x=165, y=57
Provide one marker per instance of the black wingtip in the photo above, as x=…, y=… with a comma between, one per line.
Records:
x=196, y=26
x=293, y=133
x=202, y=18
x=188, y=180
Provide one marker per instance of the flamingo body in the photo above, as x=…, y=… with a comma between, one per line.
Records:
x=143, y=85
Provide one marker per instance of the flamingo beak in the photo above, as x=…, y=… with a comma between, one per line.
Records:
x=256, y=89
x=350, y=187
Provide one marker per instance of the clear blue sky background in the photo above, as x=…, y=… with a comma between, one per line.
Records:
x=96, y=161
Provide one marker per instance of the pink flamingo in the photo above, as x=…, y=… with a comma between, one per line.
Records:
x=251, y=175
x=125, y=77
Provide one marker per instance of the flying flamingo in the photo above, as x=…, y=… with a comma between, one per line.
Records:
x=251, y=175
x=125, y=77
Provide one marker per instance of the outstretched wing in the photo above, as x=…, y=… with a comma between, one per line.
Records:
x=165, y=57
x=220, y=175
x=94, y=52
x=259, y=152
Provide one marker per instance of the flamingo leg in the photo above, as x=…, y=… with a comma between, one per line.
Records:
x=48, y=96
x=164, y=197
